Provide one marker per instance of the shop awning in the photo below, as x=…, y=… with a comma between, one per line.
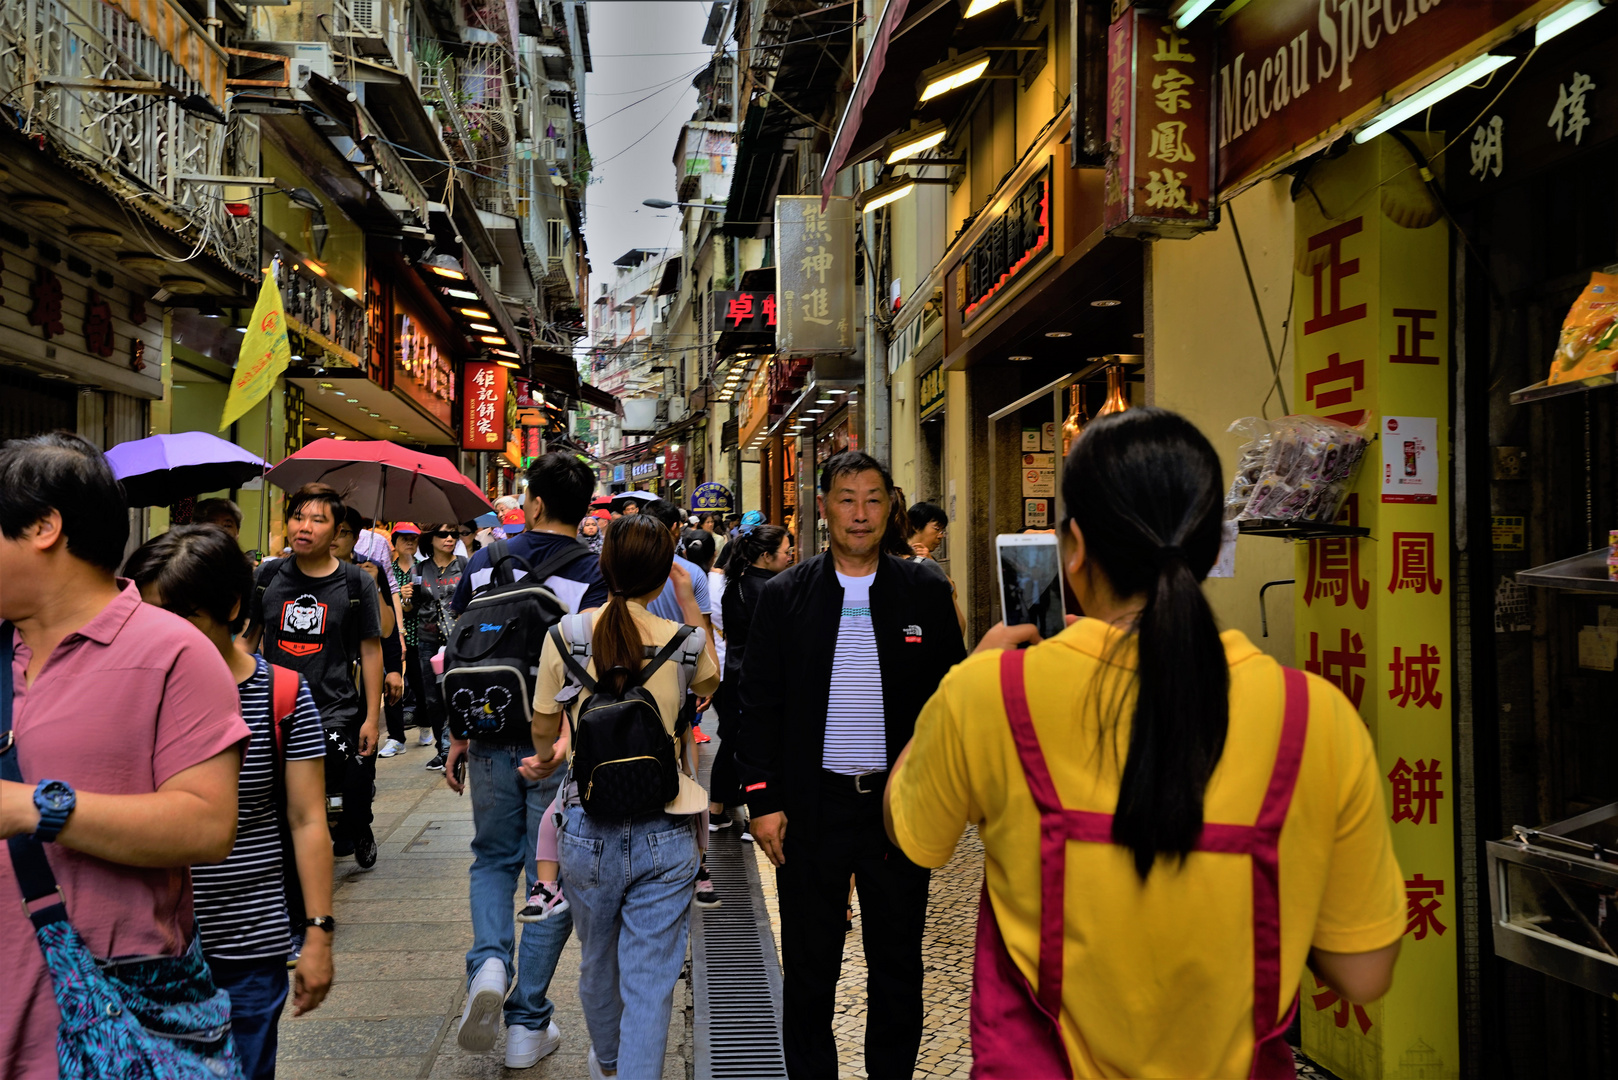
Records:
x=913, y=35
x=600, y=399
x=556, y=369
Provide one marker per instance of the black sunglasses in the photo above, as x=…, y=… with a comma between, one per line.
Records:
x=437, y=535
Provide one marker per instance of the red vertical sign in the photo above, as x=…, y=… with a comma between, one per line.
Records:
x=483, y=407
x=674, y=464
x=1160, y=165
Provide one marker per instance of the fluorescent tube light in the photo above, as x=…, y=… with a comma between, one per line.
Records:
x=1564, y=18
x=915, y=142
x=942, y=78
x=1187, y=11
x=978, y=7
x=883, y=194
x=1430, y=95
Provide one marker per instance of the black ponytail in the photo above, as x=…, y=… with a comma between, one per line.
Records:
x=750, y=547
x=1144, y=488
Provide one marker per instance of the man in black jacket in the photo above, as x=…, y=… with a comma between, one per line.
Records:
x=846, y=647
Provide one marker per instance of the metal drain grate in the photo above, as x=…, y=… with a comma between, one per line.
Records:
x=735, y=975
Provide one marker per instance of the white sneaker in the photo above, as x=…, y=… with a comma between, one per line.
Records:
x=390, y=747
x=425, y=738
x=525, y=1046
x=596, y=1072
x=484, y=1001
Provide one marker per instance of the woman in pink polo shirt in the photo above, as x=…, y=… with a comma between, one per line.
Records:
x=126, y=709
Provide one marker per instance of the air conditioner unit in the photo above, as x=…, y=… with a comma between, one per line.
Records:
x=308, y=57
x=365, y=16
x=679, y=409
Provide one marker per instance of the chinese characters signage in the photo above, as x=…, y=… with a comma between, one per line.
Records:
x=421, y=370
x=1373, y=616
x=1548, y=114
x=930, y=392
x=814, y=274
x=483, y=408
x=1293, y=72
x=1018, y=236
x=1160, y=156
x=747, y=311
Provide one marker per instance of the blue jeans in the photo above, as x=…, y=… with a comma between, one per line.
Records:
x=506, y=811
x=629, y=883
x=258, y=992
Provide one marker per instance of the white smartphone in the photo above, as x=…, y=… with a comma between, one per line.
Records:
x=1031, y=588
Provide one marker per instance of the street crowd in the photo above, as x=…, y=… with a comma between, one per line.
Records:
x=1175, y=825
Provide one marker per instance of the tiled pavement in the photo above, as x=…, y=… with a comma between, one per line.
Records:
x=946, y=957
x=403, y=931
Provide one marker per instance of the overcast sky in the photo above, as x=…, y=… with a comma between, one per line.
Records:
x=645, y=54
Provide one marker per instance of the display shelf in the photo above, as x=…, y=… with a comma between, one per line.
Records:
x=1299, y=530
x=1541, y=391
x=1582, y=573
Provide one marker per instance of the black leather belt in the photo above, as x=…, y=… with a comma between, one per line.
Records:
x=866, y=783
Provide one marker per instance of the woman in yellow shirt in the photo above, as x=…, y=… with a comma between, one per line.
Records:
x=1174, y=824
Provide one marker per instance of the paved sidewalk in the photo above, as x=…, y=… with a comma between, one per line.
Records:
x=400, y=956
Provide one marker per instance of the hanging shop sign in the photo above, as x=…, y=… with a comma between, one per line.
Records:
x=641, y=470
x=674, y=464
x=1373, y=614
x=786, y=380
x=930, y=392
x=72, y=317
x=532, y=443
x=617, y=474
x=1295, y=73
x=713, y=496
x=1018, y=236
x=815, y=274
x=1160, y=158
x=421, y=370
x=746, y=311
x=483, y=412
x=1546, y=115
x=755, y=405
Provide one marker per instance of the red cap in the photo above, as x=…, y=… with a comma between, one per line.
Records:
x=405, y=527
x=512, y=517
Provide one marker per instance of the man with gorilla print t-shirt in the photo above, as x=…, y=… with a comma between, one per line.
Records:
x=320, y=615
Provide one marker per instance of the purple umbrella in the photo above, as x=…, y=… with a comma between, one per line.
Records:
x=163, y=469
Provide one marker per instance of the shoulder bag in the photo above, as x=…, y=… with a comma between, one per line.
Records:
x=125, y=1018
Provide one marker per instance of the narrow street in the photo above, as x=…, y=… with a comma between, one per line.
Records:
x=400, y=956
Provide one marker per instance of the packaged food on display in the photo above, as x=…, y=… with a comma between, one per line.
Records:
x=1250, y=465
x=1305, y=467
x=1589, y=341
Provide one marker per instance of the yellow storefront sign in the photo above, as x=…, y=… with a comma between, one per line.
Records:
x=265, y=354
x=1373, y=615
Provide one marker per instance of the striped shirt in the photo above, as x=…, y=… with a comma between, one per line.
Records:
x=241, y=902
x=856, y=729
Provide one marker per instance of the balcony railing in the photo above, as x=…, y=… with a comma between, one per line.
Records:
x=104, y=91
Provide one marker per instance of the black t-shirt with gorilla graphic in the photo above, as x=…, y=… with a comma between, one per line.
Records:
x=303, y=620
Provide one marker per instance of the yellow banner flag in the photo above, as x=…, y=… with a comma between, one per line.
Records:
x=265, y=354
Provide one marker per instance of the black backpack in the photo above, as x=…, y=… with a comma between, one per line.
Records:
x=492, y=655
x=625, y=762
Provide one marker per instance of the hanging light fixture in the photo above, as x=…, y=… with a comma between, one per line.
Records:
x=1117, y=398
x=911, y=143
x=1077, y=418
x=953, y=74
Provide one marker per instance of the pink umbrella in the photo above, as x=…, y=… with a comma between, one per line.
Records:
x=384, y=480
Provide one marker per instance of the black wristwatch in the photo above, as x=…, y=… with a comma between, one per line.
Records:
x=323, y=922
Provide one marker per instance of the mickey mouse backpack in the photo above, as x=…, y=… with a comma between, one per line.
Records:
x=492, y=657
